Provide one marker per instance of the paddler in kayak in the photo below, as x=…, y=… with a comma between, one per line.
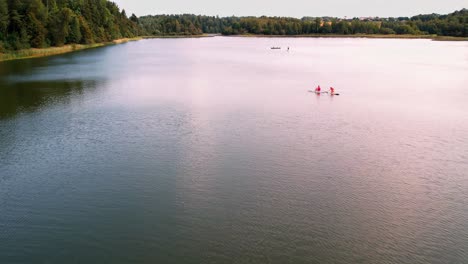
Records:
x=332, y=90
x=318, y=89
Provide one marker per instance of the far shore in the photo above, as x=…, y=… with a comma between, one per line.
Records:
x=374, y=36
x=35, y=53
x=181, y=36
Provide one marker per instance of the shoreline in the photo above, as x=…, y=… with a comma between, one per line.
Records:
x=373, y=36
x=51, y=51
x=181, y=36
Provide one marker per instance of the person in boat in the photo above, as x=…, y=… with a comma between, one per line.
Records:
x=318, y=89
x=332, y=90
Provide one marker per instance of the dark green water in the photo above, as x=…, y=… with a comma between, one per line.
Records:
x=213, y=151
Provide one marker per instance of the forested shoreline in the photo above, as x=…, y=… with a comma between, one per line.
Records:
x=26, y=24
x=45, y=23
x=454, y=24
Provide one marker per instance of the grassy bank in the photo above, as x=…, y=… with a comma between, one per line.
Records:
x=377, y=36
x=448, y=38
x=34, y=53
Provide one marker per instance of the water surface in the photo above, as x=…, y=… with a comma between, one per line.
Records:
x=212, y=150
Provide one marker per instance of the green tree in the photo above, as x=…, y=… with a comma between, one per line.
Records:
x=326, y=28
x=59, y=26
x=318, y=24
x=74, y=35
x=86, y=32
x=134, y=19
x=4, y=19
x=36, y=23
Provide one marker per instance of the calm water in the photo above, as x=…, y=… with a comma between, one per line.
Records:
x=213, y=151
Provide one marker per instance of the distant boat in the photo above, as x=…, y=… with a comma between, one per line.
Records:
x=275, y=47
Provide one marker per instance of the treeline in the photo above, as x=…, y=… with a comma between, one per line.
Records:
x=42, y=23
x=185, y=24
x=454, y=24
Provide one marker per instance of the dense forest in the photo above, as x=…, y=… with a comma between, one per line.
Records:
x=454, y=24
x=43, y=23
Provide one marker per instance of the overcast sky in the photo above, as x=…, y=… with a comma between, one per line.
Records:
x=293, y=8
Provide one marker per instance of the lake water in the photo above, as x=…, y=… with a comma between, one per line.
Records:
x=212, y=150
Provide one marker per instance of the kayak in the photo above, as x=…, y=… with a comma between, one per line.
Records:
x=326, y=92
x=312, y=91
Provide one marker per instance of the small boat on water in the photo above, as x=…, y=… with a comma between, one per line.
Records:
x=325, y=92
x=275, y=47
x=313, y=91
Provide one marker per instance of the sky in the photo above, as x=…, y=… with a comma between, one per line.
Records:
x=293, y=8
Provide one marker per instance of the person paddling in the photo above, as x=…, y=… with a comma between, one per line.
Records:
x=318, y=89
x=332, y=90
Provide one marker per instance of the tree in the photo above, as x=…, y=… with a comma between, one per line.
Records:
x=86, y=33
x=326, y=28
x=36, y=22
x=177, y=27
x=74, y=35
x=318, y=24
x=4, y=19
x=134, y=19
x=386, y=31
x=59, y=26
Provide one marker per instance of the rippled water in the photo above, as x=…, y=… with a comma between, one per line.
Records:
x=212, y=150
